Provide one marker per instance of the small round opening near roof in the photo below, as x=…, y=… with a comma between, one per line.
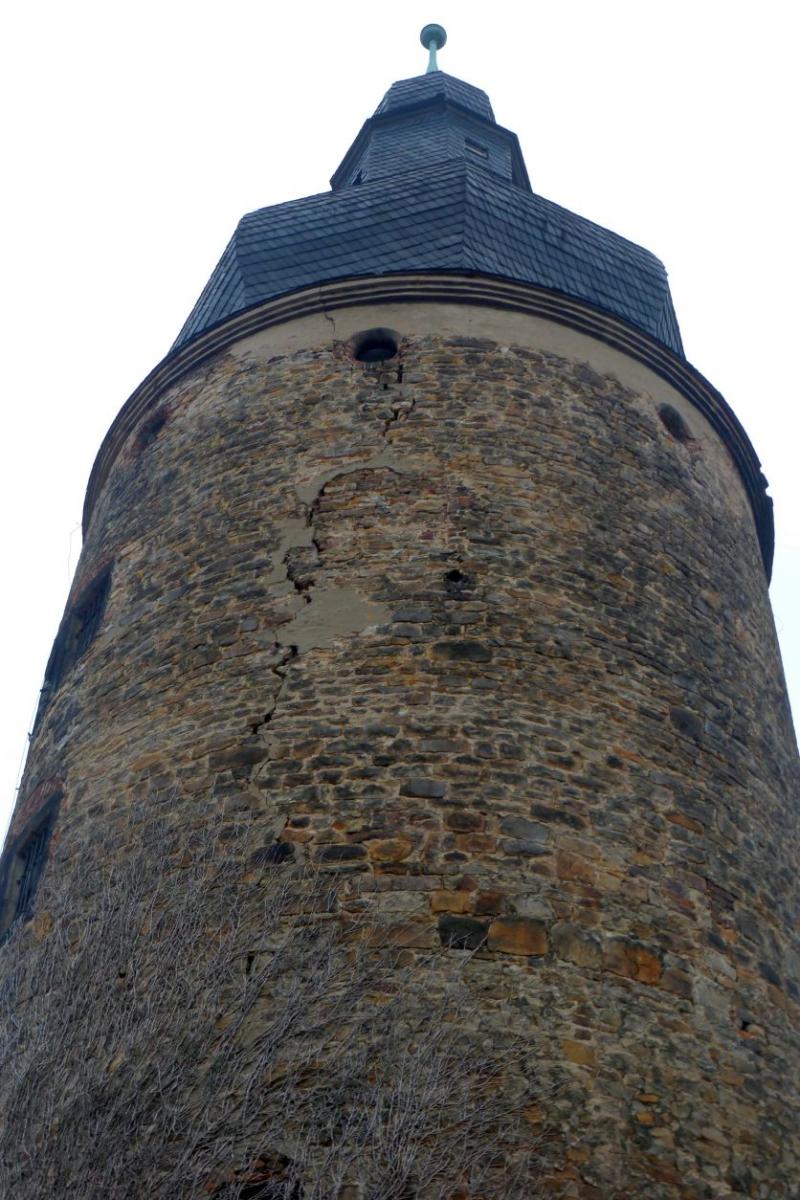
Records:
x=374, y=346
x=433, y=37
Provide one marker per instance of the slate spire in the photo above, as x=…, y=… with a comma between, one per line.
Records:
x=432, y=183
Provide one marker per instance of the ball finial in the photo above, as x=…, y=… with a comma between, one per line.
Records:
x=433, y=37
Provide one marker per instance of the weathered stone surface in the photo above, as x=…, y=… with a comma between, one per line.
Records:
x=626, y=957
x=494, y=650
x=426, y=789
x=577, y=945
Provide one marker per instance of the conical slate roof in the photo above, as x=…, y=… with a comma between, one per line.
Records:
x=433, y=184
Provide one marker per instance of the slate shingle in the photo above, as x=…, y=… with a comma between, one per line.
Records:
x=423, y=88
x=428, y=203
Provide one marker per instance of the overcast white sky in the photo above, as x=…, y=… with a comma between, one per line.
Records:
x=135, y=136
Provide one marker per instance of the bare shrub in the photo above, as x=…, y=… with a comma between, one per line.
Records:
x=186, y=1026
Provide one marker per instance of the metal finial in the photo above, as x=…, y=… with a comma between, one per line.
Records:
x=433, y=37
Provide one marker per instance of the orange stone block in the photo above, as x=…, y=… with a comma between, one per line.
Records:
x=578, y=1052
x=579, y=1154
x=454, y=902
x=389, y=849
x=679, y=818
x=518, y=935
x=632, y=960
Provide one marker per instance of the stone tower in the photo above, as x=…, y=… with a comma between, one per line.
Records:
x=427, y=548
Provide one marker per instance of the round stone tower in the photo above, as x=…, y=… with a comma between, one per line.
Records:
x=426, y=548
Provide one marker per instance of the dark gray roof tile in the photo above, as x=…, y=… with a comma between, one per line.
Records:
x=407, y=93
x=427, y=203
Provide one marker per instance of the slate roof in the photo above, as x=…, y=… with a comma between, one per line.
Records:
x=432, y=183
x=438, y=85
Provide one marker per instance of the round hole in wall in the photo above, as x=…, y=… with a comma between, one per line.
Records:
x=374, y=346
x=457, y=583
x=674, y=423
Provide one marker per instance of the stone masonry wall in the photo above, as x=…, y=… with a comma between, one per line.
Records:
x=476, y=629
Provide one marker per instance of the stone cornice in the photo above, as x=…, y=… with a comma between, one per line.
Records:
x=451, y=289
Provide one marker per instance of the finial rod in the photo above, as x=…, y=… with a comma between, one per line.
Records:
x=433, y=37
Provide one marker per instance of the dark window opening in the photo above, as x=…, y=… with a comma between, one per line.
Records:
x=32, y=858
x=674, y=423
x=78, y=630
x=477, y=148
x=89, y=614
x=375, y=346
x=359, y=178
x=22, y=867
x=151, y=429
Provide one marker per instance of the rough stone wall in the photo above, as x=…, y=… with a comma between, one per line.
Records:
x=476, y=629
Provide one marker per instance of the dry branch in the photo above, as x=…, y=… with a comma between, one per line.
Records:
x=184, y=1026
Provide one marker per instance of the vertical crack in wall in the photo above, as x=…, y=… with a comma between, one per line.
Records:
x=280, y=670
x=402, y=406
x=342, y=609
x=300, y=562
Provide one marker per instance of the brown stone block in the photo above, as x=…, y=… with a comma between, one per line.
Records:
x=301, y=836
x=145, y=762
x=570, y=866
x=630, y=756
x=414, y=935
x=476, y=843
x=465, y=822
x=677, y=982
x=579, y=1154
x=533, y=1114
x=518, y=935
x=490, y=902
x=454, y=902
x=679, y=818
x=578, y=1052
x=631, y=959
x=665, y=1172
x=43, y=924
x=712, y=1152
x=608, y=884
x=619, y=581
x=389, y=849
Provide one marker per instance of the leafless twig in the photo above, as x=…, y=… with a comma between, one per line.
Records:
x=186, y=1026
